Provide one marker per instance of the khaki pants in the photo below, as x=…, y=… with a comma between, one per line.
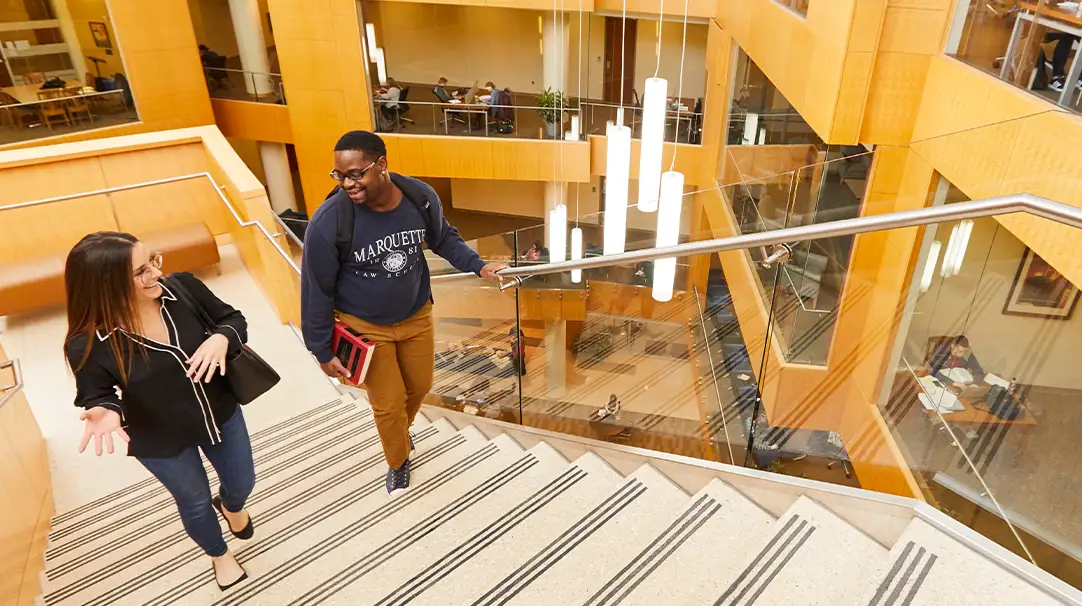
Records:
x=399, y=377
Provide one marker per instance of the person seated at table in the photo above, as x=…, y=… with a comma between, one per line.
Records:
x=441, y=91
x=1059, y=58
x=955, y=352
x=489, y=88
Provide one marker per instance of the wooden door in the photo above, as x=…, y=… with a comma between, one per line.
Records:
x=617, y=55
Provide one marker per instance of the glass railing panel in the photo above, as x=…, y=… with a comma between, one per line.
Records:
x=472, y=119
x=240, y=85
x=683, y=119
x=480, y=352
x=1028, y=44
x=36, y=113
x=984, y=399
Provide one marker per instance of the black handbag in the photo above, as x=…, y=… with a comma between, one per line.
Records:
x=249, y=375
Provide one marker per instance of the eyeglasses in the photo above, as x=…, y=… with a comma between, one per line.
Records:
x=353, y=175
x=154, y=262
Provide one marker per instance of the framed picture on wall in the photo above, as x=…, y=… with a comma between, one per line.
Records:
x=1040, y=291
x=100, y=34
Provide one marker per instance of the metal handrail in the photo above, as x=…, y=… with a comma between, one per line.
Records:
x=973, y=209
x=207, y=175
x=7, y=391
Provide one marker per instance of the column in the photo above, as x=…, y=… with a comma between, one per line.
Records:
x=556, y=358
x=555, y=41
x=279, y=178
x=248, y=28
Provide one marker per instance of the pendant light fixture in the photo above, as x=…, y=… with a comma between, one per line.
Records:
x=558, y=234
x=617, y=167
x=668, y=233
x=617, y=162
x=576, y=253
x=653, y=141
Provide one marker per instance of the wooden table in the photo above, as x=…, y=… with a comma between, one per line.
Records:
x=28, y=93
x=1058, y=20
x=975, y=412
x=466, y=108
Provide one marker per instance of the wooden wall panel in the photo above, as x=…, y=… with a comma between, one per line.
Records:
x=25, y=499
x=319, y=49
x=696, y=8
x=49, y=228
x=478, y=158
x=1016, y=143
x=689, y=159
x=255, y=121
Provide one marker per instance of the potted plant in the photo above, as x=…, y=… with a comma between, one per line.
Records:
x=547, y=102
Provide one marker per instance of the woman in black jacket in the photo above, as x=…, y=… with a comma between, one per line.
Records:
x=129, y=331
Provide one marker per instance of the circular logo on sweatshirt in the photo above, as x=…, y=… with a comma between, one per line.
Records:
x=395, y=261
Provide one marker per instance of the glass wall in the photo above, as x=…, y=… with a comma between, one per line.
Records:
x=60, y=70
x=519, y=73
x=1032, y=45
x=783, y=175
x=252, y=77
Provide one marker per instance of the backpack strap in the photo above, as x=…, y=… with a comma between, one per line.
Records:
x=343, y=239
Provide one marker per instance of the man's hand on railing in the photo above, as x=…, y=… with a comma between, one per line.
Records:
x=489, y=271
x=101, y=423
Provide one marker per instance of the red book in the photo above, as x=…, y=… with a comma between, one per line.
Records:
x=353, y=351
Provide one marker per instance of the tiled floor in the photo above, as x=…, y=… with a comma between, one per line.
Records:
x=36, y=339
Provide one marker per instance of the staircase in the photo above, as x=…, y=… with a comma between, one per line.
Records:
x=488, y=522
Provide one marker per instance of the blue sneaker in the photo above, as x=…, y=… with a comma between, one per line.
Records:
x=398, y=480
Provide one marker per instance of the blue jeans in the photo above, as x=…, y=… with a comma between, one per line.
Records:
x=185, y=478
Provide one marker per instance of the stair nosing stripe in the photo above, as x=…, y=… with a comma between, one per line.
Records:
x=893, y=597
x=63, y=517
x=407, y=538
x=358, y=527
x=368, y=489
x=138, y=516
x=157, y=488
x=554, y=557
x=920, y=580
x=894, y=569
x=631, y=489
x=762, y=554
x=783, y=548
x=441, y=448
x=648, y=567
x=461, y=553
x=781, y=565
x=278, y=510
x=612, y=586
x=321, y=466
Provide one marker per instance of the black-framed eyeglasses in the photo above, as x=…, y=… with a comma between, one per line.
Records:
x=154, y=262
x=353, y=175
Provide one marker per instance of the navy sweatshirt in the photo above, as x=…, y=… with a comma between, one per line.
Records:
x=386, y=280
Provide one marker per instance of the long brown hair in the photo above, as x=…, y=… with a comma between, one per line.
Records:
x=101, y=293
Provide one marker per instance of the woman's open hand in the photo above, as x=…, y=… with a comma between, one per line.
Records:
x=210, y=357
x=101, y=424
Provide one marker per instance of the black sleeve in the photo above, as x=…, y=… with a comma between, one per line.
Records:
x=229, y=321
x=94, y=385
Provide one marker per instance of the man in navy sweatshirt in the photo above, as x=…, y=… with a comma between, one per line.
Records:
x=379, y=285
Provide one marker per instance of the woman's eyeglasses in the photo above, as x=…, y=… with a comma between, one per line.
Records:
x=154, y=262
x=353, y=175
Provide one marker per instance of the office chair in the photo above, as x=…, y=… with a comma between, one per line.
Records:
x=403, y=107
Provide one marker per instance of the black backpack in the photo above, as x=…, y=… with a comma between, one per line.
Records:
x=343, y=240
x=1002, y=404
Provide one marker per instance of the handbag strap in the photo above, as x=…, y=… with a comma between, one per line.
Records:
x=186, y=298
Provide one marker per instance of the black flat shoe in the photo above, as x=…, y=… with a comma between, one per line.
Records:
x=221, y=587
x=243, y=533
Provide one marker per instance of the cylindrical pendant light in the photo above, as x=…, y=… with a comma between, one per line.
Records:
x=616, y=175
x=558, y=234
x=668, y=233
x=576, y=253
x=653, y=141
